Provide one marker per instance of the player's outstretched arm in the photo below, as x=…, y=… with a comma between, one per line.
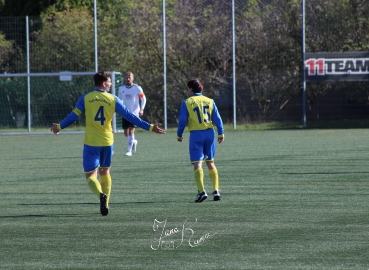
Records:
x=157, y=129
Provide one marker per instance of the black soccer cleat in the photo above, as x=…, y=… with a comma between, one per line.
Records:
x=103, y=209
x=201, y=197
x=216, y=195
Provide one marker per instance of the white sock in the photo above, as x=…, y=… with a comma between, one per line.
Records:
x=129, y=148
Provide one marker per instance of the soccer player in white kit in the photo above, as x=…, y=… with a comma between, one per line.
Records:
x=134, y=99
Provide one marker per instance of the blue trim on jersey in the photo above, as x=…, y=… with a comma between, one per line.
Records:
x=217, y=120
x=72, y=117
x=182, y=119
x=68, y=120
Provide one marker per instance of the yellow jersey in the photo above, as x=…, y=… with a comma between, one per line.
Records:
x=99, y=107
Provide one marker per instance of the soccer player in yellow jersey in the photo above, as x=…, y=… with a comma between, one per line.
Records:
x=200, y=115
x=99, y=107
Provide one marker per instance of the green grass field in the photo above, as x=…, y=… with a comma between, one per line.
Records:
x=291, y=199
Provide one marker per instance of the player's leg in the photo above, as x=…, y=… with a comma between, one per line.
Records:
x=134, y=141
x=106, y=183
x=132, y=132
x=213, y=174
x=130, y=140
x=199, y=176
x=91, y=159
x=196, y=157
x=126, y=128
x=96, y=188
x=199, y=179
x=105, y=163
x=93, y=183
x=209, y=152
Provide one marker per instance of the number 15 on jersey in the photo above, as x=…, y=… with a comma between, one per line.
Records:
x=204, y=113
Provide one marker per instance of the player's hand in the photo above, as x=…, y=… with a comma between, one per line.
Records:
x=140, y=113
x=221, y=138
x=180, y=139
x=54, y=128
x=158, y=130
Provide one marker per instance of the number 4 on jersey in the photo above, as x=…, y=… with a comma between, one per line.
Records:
x=100, y=115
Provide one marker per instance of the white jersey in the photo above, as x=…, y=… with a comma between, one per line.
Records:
x=131, y=95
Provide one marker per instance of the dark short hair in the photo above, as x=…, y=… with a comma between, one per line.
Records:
x=196, y=85
x=100, y=77
x=129, y=73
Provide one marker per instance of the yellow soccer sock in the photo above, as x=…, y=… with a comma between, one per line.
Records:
x=94, y=185
x=214, y=178
x=106, y=186
x=199, y=178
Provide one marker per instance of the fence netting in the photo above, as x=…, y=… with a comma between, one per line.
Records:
x=199, y=41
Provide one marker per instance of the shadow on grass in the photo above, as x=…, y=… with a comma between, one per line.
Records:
x=116, y=203
x=310, y=124
x=324, y=173
x=42, y=216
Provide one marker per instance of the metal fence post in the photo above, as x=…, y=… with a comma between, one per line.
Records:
x=28, y=77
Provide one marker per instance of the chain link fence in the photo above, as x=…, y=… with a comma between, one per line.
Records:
x=265, y=59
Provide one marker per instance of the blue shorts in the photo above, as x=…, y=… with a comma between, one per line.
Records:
x=95, y=156
x=202, y=145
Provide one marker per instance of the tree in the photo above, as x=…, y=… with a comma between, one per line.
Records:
x=335, y=26
x=38, y=7
x=199, y=44
x=7, y=51
x=65, y=43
